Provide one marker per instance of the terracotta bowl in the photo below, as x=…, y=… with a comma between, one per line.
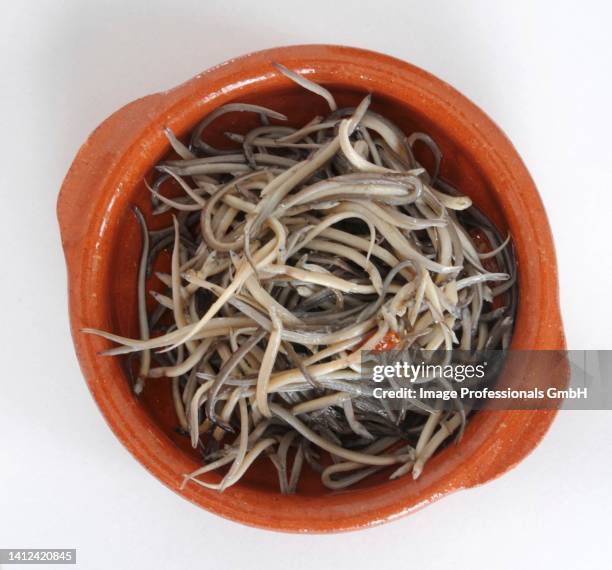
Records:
x=101, y=243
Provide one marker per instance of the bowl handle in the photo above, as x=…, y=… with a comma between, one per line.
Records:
x=92, y=169
x=521, y=430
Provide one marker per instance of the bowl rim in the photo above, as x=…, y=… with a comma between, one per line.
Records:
x=124, y=146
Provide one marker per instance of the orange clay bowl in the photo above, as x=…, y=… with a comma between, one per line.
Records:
x=102, y=243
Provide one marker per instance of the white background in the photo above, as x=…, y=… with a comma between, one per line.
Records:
x=541, y=70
